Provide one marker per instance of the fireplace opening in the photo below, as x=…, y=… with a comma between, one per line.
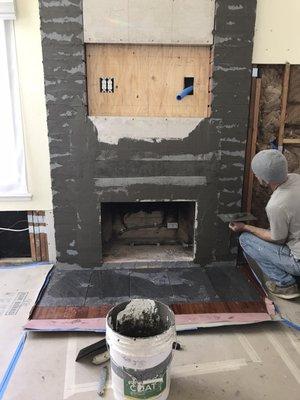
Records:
x=148, y=231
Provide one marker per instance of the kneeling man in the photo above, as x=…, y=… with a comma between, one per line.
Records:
x=276, y=250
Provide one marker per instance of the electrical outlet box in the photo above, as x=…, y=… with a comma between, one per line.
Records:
x=107, y=85
x=189, y=81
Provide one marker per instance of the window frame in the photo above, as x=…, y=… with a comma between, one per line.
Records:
x=18, y=188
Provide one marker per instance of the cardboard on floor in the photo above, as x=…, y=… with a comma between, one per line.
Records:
x=255, y=362
x=19, y=288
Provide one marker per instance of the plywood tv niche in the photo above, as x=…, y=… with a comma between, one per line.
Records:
x=143, y=80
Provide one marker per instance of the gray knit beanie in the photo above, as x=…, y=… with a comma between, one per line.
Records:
x=270, y=166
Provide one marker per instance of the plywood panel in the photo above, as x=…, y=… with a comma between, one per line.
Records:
x=147, y=79
x=152, y=22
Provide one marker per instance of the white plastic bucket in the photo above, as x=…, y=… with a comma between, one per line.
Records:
x=140, y=366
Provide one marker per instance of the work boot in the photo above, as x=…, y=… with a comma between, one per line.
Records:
x=284, y=292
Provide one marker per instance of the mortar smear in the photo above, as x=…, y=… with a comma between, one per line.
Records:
x=140, y=318
x=137, y=309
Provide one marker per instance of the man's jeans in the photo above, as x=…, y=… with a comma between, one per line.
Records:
x=276, y=261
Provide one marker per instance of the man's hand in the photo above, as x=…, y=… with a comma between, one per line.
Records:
x=264, y=234
x=237, y=226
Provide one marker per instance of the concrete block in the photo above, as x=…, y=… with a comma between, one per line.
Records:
x=233, y=56
x=234, y=24
x=231, y=80
x=234, y=98
x=72, y=67
x=64, y=50
x=54, y=9
x=61, y=39
x=236, y=8
x=230, y=111
x=64, y=111
x=63, y=25
x=166, y=168
x=232, y=40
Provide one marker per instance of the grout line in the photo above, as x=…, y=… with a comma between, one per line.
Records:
x=88, y=286
x=129, y=276
x=171, y=286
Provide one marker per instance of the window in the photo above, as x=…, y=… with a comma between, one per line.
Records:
x=12, y=159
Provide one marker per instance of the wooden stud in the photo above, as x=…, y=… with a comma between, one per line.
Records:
x=248, y=145
x=291, y=141
x=284, y=98
x=211, y=64
x=43, y=236
x=37, y=236
x=251, y=144
x=31, y=235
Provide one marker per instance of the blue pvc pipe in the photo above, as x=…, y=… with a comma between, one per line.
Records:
x=184, y=92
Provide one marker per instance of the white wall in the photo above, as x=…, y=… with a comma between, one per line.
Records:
x=277, y=32
x=31, y=82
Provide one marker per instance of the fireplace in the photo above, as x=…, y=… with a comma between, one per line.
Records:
x=148, y=231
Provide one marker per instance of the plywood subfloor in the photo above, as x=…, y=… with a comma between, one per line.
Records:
x=227, y=293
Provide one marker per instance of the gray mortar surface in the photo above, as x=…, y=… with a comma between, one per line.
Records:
x=79, y=161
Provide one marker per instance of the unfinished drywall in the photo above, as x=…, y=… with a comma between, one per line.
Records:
x=206, y=166
x=277, y=32
x=144, y=21
x=33, y=109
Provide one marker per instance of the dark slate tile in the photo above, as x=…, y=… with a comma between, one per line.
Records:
x=152, y=284
x=191, y=284
x=115, y=283
x=66, y=288
x=102, y=291
x=231, y=284
x=95, y=288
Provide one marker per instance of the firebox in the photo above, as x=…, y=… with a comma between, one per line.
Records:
x=148, y=231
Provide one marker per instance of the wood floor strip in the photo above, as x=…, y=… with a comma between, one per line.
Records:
x=178, y=309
